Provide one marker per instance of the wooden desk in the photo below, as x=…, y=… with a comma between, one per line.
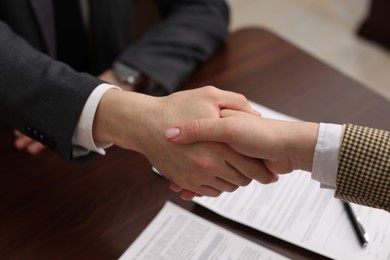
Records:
x=50, y=209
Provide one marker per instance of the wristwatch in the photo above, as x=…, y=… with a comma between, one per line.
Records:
x=127, y=74
x=135, y=78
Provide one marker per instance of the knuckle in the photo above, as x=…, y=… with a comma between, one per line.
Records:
x=231, y=136
x=201, y=164
x=241, y=97
x=193, y=128
x=210, y=88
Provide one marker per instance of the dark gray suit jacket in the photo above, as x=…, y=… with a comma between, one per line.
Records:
x=43, y=97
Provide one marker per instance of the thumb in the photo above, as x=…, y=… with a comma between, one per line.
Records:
x=208, y=129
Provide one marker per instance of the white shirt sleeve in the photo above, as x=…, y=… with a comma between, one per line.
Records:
x=82, y=139
x=326, y=155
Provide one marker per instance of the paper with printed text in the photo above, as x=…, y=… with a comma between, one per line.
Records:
x=297, y=210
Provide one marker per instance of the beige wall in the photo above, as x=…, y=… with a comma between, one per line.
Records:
x=325, y=29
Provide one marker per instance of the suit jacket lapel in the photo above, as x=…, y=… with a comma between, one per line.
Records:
x=45, y=16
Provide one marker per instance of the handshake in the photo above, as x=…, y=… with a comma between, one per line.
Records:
x=205, y=141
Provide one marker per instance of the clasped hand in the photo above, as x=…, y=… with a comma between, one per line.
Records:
x=280, y=146
x=204, y=168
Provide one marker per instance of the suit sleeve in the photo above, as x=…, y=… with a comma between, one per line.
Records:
x=39, y=96
x=364, y=167
x=189, y=34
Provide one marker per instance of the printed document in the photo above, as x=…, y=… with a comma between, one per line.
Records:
x=176, y=234
x=297, y=210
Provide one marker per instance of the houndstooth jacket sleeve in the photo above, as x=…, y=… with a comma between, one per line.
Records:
x=363, y=175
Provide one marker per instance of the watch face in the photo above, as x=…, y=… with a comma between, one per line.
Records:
x=139, y=82
x=126, y=73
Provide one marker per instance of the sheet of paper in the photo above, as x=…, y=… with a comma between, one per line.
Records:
x=176, y=234
x=297, y=210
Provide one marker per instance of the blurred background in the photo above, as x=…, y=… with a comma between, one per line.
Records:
x=327, y=29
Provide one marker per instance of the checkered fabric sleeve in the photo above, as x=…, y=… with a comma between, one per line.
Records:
x=363, y=175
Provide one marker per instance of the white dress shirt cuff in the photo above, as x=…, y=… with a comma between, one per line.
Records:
x=326, y=155
x=82, y=139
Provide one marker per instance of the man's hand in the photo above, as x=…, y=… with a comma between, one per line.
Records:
x=23, y=142
x=138, y=122
x=283, y=146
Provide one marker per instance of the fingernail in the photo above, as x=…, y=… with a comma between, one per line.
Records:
x=172, y=133
x=183, y=197
x=175, y=187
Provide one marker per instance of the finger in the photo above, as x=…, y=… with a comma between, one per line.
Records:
x=208, y=129
x=230, y=175
x=22, y=142
x=234, y=113
x=235, y=101
x=221, y=184
x=188, y=195
x=213, y=170
x=236, y=176
x=17, y=133
x=214, y=187
x=35, y=147
x=259, y=172
x=208, y=191
x=244, y=169
x=210, y=186
x=185, y=194
x=174, y=187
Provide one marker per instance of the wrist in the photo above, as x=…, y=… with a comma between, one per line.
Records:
x=100, y=130
x=302, y=144
x=117, y=118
